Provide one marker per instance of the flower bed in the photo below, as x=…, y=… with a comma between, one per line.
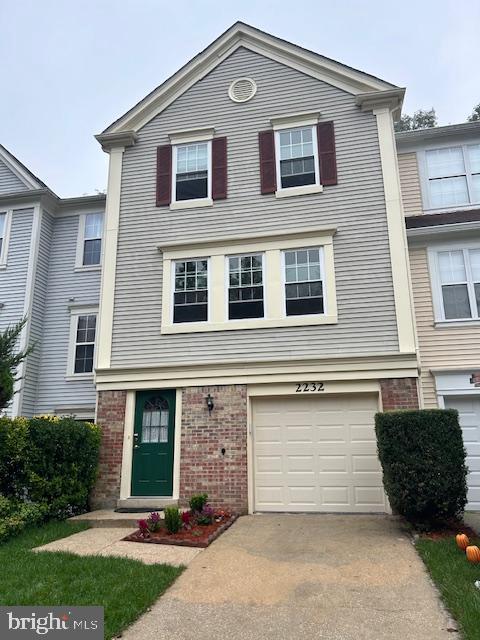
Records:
x=198, y=527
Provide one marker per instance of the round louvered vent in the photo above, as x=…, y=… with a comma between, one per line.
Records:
x=242, y=90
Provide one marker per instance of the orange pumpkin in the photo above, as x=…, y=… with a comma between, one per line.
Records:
x=473, y=554
x=462, y=541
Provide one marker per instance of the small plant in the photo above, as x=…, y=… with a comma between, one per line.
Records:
x=198, y=501
x=206, y=516
x=187, y=519
x=154, y=522
x=143, y=526
x=173, y=519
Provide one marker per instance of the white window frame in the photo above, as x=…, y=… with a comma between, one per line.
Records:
x=438, y=308
x=6, y=237
x=75, y=313
x=195, y=202
x=428, y=207
x=322, y=277
x=79, y=266
x=172, y=289
x=227, y=286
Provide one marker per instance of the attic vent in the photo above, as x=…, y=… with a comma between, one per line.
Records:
x=242, y=90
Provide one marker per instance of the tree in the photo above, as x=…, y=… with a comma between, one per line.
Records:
x=475, y=115
x=420, y=120
x=10, y=359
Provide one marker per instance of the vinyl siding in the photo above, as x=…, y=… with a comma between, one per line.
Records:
x=439, y=347
x=33, y=365
x=13, y=279
x=410, y=184
x=9, y=182
x=63, y=285
x=355, y=206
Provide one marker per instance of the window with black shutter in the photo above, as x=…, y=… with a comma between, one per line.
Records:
x=245, y=286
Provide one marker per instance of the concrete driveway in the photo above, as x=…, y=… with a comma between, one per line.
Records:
x=301, y=576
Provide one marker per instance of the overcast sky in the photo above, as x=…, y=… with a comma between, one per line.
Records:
x=69, y=68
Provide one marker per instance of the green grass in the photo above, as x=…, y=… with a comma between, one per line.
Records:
x=126, y=588
x=454, y=577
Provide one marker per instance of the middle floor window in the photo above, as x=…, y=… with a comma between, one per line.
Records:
x=245, y=286
x=303, y=282
x=190, y=298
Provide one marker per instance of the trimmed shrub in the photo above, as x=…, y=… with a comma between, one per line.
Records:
x=49, y=461
x=16, y=516
x=173, y=519
x=197, y=502
x=423, y=461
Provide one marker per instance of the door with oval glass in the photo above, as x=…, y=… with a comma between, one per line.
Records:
x=153, y=443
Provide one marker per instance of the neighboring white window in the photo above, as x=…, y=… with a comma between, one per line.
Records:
x=192, y=175
x=245, y=287
x=190, y=290
x=304, y=281
x=89, y=250
x=453, y=176
x=83, y=329
x=5, y=220
x=457, y=283
x=297, y=157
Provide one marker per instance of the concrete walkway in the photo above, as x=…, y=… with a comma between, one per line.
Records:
x=108, y=542
x=297, y=576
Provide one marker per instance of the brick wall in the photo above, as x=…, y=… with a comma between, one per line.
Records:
x=399, y=393
x=111, y=417
x=203, y=466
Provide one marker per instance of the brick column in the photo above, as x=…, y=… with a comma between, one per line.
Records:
x=111, y=418
x=203, y=466
x=399, y=393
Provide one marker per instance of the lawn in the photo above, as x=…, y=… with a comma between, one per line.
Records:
x=126, y=588
x=454, y=577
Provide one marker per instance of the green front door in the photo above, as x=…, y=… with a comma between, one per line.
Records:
x=153, y=441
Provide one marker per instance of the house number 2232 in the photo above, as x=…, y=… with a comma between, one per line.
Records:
x=309, y=387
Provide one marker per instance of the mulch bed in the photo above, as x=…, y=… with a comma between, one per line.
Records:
x=196, y=536
x=449, y=530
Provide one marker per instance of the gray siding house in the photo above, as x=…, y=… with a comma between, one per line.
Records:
x=50, y=267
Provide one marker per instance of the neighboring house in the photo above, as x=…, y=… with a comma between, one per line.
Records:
x=440, y=178
x=50, y=264
x=255, y=308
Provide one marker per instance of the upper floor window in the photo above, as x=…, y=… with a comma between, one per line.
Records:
x=190, y=297
x=453, y=175
x=458, y=274
x=297, y=154
x=89, y=250
x=245, y=286
x=191, y=175
x=303, y=282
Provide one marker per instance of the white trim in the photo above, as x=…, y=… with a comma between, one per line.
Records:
x=322, y=280
x=177, y=444
x=75, y=313
x=242, y=35
x=6, y=237
x=195, y=202
x=79, y=254
x=283, y=192
x=12, y=163
x=111, y=228
x=295, y=120
x=397, y=237
x=231, y=94
x=17, y=402
x=191, y=136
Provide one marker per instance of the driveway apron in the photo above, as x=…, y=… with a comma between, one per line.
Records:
x=270, y=577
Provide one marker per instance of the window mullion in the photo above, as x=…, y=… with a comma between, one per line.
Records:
x=470, y=285
x=468, y=173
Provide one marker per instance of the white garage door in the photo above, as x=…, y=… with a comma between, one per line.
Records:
x=316, y=454
x=469, y=415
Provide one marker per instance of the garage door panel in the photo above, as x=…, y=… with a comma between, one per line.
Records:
x=328, y=451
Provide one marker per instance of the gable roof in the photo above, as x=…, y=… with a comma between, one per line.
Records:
x=243, y=35
x=22, y=172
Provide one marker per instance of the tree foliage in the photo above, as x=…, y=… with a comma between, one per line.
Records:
x=10, y=359
x=475, y=115
x=421, y=119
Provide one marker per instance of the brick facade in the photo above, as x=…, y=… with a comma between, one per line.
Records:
x=399, y=393
x=111, y=417
x=203, y=466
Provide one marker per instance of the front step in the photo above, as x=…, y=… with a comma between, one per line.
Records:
x=146, y=504
x=110, y=518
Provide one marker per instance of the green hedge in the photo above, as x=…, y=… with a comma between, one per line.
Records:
x=423, y=461
x=16, y=516
x=49, y=461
